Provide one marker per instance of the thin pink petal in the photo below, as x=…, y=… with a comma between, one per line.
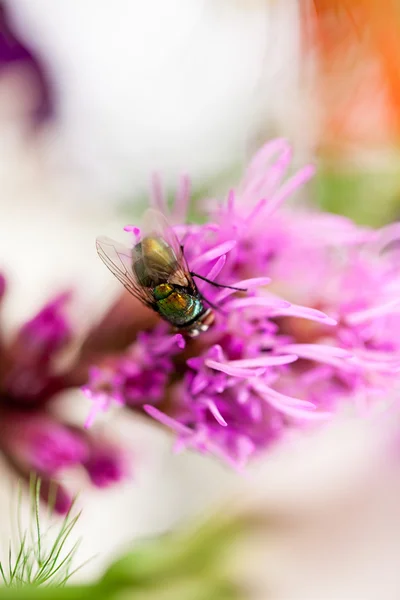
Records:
x=262, y=177
x=334, y=351
x=170, y=340
x=322, y=354
x=180, y=445
x=258, y=301
x=215, y=412
x=91, y=416
x=264, y=361
x=289, y=187
x=217, y=268
x=100, y=405
x=248, y=284
x=282, y=398
x=133, y=229
x=182, y=200
x=378, y=355
x=386, y=367
x=278, y=401
x=356, y=318
x=166, y=420
x=259, y=207
x=385, y=237
x=212, y=254
x=158, y=199
x=232, y=371
x=304, y=312
x=260, y=160
x=231, y=201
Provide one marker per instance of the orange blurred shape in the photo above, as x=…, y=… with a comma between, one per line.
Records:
x=356, y=44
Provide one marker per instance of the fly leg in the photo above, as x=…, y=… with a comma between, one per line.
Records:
x=220, y=285
x=212, y=305
x=214, y=283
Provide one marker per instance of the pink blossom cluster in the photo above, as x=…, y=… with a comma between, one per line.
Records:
x=316, y=330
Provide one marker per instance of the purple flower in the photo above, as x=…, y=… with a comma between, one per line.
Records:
x=32, y=438
x=316, y=329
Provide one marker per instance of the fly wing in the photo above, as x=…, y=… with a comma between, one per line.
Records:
x=119, y=259
x=168, y=265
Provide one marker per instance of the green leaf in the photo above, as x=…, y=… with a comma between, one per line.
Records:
x=368, y=197
x=42, y=557
x=199, y=551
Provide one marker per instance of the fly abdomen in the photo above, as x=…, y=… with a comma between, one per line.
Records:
x=176, y=306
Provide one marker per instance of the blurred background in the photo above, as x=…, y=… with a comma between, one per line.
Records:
x=97, y=95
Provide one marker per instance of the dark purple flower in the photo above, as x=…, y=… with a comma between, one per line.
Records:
x=106, y=464
x=16, y=54
x=32, y=437
x=37, y=441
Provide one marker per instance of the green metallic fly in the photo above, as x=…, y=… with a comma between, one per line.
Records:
x=156, y=272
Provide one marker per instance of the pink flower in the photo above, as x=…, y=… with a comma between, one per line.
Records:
x=144, y=371
x=358, y=285
x=316, y=329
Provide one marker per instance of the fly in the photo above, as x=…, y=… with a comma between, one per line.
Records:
x=155, y=271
